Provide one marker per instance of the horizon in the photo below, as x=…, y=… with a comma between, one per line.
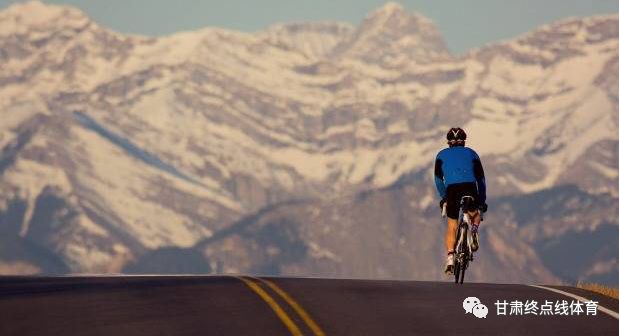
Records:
x=462, y=26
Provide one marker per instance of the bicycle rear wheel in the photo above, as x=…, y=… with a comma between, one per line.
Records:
x=465, y=254
x=457, y=256
x=456, y=270
x=463, y=268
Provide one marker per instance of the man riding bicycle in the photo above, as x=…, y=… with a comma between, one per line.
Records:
x=458, y=172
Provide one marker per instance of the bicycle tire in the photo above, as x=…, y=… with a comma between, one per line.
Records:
x=456, y=270
x=462, y=272
x=455, y=255
x=465, y=255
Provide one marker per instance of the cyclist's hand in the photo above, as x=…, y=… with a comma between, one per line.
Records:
x=483, y=207
x=440, y=204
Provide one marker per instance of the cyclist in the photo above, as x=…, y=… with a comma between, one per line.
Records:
x=458, y=172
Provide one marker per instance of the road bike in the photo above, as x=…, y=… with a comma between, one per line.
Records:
x=463, y=253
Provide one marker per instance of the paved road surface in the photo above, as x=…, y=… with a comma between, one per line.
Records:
x=226, y=305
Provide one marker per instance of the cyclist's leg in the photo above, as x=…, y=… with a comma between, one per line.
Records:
x=475, y=220
x=454, y=194
x=453, y=209
x=475, y=217
x=450, y=234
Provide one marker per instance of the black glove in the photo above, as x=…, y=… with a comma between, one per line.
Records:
x=483, y=207
x=440, y=204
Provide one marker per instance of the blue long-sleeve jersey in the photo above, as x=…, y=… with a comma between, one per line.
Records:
x=459, y=165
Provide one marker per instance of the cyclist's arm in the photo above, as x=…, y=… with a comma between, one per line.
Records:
x=480, y=177
x=438, y=178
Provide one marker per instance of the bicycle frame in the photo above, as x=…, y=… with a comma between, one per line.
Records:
x=464, y=236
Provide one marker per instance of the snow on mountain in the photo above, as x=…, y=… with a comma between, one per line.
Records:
x=391, y=36
x=145, y=143
x=548, y=111
x=34, y=17
x=316, y=40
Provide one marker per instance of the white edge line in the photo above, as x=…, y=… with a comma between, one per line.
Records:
x=579, y=298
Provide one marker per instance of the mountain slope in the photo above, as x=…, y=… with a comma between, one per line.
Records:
x=121, y=145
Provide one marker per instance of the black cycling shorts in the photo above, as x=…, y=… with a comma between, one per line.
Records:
x=455, y=192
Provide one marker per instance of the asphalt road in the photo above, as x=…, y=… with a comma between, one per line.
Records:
x=227, y=305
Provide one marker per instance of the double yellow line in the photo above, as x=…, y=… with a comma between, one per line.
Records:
x=254, y=285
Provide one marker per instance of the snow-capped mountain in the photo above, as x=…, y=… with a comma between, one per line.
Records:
x=390, y=36
x=116, y=145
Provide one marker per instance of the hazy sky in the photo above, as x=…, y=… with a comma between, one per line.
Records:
x=465, y=24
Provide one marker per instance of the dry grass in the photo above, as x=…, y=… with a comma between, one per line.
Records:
x=605, y=290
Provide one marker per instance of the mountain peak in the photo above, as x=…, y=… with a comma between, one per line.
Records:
x=21, y=15
x=36, y=9
x=393, y=15
x=388, y=9
x=393, y=35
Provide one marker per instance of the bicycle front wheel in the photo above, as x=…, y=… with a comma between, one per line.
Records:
x=456, y=269
x=462, y=269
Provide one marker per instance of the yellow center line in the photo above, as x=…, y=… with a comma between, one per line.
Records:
x=294, y=330
x=296, y=306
